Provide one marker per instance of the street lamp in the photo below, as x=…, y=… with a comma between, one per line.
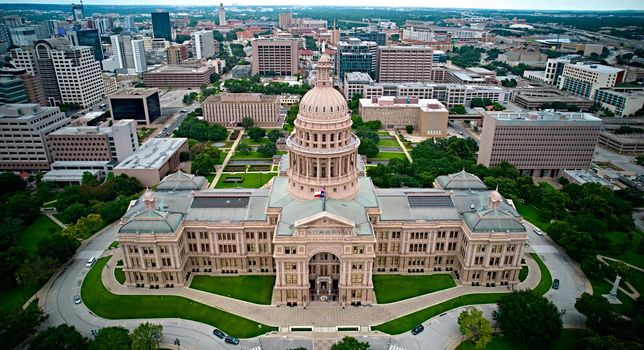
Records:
x=177, y=342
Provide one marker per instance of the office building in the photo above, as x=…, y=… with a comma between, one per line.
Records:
x=229, y=109
x=222, y=15
x=554, y=69
x=397, y=64
x=321, y=251
x=154, y=159
x=161, y=27
x=140, y=104
x=23, y=132
x=180, y=75
x=87, y=37
x=138, y=56
x=539, y=144
x=32, y=84
x=355, y=55
x=584, y=79
x=177, y=54
x=123, y=52
x=24, y=36
x=623, y=102
x=380, y=38
x=110, y=84
x=428, y=117
x=12, y=90
x=285, y=20
x=92, y=143
x=43, y=51
x=276, y=56
x=204, y=44
x=78, y=12
x=24, y=58
x=79, y=76
x=548, y=99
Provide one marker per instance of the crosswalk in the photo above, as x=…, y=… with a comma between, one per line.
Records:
x=256, y=348
x=86, y=254
x=544, y=249
x=395, y=347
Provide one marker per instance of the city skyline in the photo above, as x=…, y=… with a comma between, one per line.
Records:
x=575, y=5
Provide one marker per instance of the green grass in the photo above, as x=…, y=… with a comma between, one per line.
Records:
x=249, y=156
x=251, y=180
x=222, y=157
x=390, y=155
x=601, y=287
x=210, y=177
x=383, y=133
x=531, y=213
x=254, y=289
x=567, y=340
x=391, y=288
x=119, y=275
x=16, y=297
x=407, y=322
x=111, y=306
x=523, y=274
x=631, y=254
x=388, y=143
x=114, y=244
x=35, y=232
x=252, y=142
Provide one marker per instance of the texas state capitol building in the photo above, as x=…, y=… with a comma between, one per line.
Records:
x=321, y=249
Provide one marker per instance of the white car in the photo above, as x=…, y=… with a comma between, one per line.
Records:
x=538, y=231
x=90, y=262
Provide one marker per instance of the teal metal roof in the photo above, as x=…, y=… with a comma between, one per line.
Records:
x=152, y=221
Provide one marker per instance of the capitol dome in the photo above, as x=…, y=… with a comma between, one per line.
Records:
x=323, y=102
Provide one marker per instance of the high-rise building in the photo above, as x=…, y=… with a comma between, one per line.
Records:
x=204, y=44
x=23, y=129
x=540, y=144
x=23, y=36
x=584, y=79
x=140, y=104
x=354, y=55
x=129, y=23
x=276, y=56
x=79, y=76
x=404, y=64
x=222, y=15
x=87, y=37
x=555, y=66
x=78, y=11
x=45, y=67
x=12, y=90
x=285, y=20
x=32, y=84
x=177, y=54
x=230, y=109
x=24, y=58
x=161, y=27
x=379, y=38
x=138, y=56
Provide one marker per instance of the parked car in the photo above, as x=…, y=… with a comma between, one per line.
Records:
x=538, y=231
x=90, y=262
x=555, y=284
x=417, y=329
x=231, y=340
x=219, y=334
x=77, y=299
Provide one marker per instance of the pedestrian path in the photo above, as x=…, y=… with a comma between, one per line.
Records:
x=322, y=315
x=545, y=249
x=55, y=220
x=227, y=159
x=86, y=254
x=402, y=146
x=395, y=347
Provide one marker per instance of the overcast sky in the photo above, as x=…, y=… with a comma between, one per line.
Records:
x=488, y=4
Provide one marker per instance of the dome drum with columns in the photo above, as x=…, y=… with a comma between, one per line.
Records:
x=323, y=152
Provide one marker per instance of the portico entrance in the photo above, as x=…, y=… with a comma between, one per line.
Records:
x=324, y=274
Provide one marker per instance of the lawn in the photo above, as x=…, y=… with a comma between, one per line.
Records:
x=390, y=155
x=631, y=254
x=111, y=306
x=388, y=143
x=222, y=157
x=407, y=322
x=15, y=297
x=40, y=229
x=210, y=177
x=249, y=156
x=531, y=213
x=253, y=289
x=391, y=288
x=252, y=142
x=523, y=274
x=119, y=275
x=251, y=180
x=567, y=340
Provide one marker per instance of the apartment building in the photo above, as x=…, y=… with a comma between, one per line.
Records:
x=79, y=76
x=397, y=64
x=138, y=56
x=276, y=56
x=204, y=44
x=584, y=79
x=23, y=132
x=428, y=117
x=230, y=109
x=140, y=104
x=622, y=101
x=540, y=144
x=176, y=54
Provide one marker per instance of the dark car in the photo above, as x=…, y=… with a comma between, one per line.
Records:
x=555, y=284
x=417, y=329
x=231, y=340
x=219, y=334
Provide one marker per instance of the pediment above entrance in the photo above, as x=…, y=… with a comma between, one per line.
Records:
x=324, y=223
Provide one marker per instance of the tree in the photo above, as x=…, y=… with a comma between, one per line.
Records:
x=84, y=227
x=274, y=135
x=373, y=125
x=10, y=182
x=409, y=128
x=37, y=271
x=203, y=164
x=458, y=109
x=10, y=261
x=350, y=343
x=473, y=325
x=89, y=179
x=256, y=133
x=72, y=213
x=146, y=336
x=526, y=317
x=111, y=338
x=61, y=337
x=596, y=308
x=59, y=247
x=267, y=149
x=17, y=324
x=368, y=148
x=247, y=122
x=244, y=148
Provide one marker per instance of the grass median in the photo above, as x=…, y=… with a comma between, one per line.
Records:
x=407, y=322
x=392, y=288
x=251, y=288
x=111, y=306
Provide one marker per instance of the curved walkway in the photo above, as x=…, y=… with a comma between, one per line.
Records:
x=330, y=315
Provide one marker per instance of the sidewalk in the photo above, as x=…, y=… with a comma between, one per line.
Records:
x=402, y=146
x=325, y=315
x=227, y=159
